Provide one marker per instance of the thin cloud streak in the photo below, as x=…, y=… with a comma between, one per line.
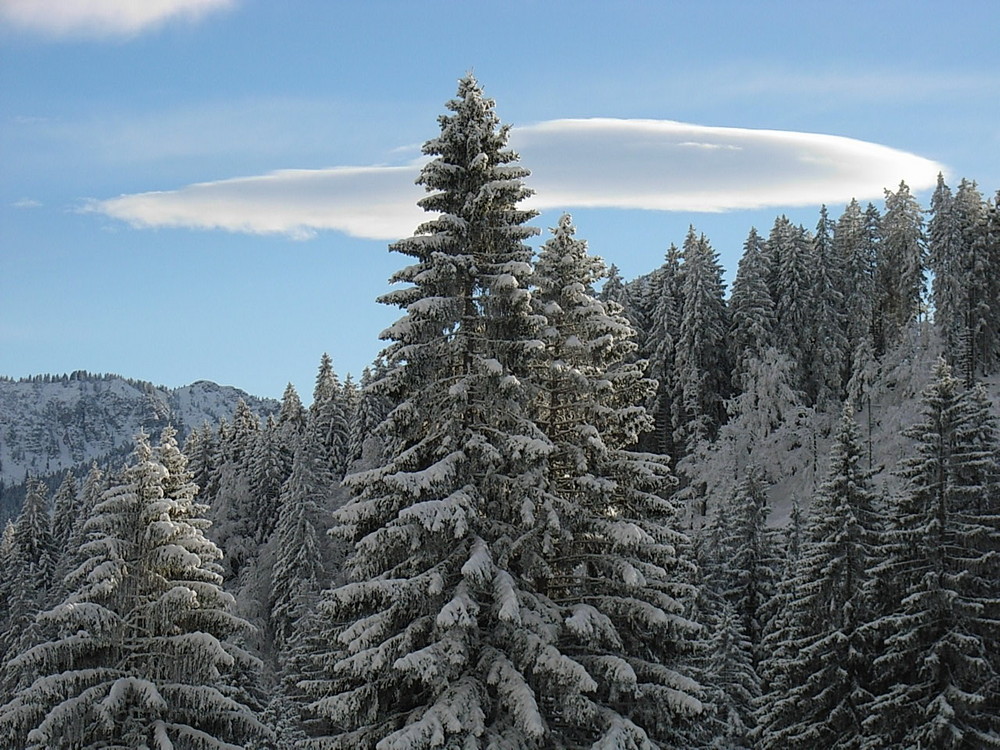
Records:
x=594, y=163
x=103, y=18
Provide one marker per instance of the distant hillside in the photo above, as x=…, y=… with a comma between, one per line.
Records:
x=51, y=423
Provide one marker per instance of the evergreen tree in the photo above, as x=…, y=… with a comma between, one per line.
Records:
x=372, y=408
x=751, y=309
x=702, y=358
x=267, y=469
x=824, y=693
x=659, y=348
x=789, y=253
x=937, y=674
x=988, y=244
x=328, y=423
x=64, y=512
x=298, y=574
x=780, y=641
x=613, y=289
x=854, y=246
x=292, y=415
x=828, y=351
x=900, y=268
x=964, y=304
x=441, y=636
x=615, y=568
x=201, y=448
x=734, y=686
x=749, y=548
x=68, y=571
x=234, y=504
x=136, y=656
x=32, y=557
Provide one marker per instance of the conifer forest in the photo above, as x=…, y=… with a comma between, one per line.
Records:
x=562, y=509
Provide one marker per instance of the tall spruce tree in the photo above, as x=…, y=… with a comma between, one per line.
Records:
x=442, y=636
x=65, y=509
x=937, y=680
x=32, y=559
x=329, y=422
x=828, y=351
x=659, y=349
x=823, y=695
x=965, y=306
x=855, y=251
x=372, y=407
x=298, y=575
x=788, y=250
x=702, y=357
x=899, y=289
x=616, y=568
x=752, y=317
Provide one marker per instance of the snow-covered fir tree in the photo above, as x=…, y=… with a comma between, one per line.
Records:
x=64, y=511
x=752, y=317
x=702, y=357
x=659, y=349
x=732, y=684
x=750, y=554
x=789, y=257
x=779, y=642
x=329, y=418
x=72, y=556
x=372, y=408
x=854, y=247
x=268, y=467
x=201, y=448
x=136, y=656
x=292, y=416
x=828, y=352
x=32, y=558
x=441, y=635
x=899, y=276
x=448, y=634
x=726, y=664
x=298, y=575
x=936, y=674
x=616, y=570
x=233, y=505
x=822, y=694
x=965, y=304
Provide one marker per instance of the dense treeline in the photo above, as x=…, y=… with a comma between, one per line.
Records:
x=550, y=508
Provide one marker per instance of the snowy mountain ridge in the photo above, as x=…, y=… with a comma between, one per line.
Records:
x=51, y=423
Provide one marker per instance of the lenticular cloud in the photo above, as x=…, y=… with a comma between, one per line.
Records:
x=102, y=17
x=597, y=163
x=674, y=166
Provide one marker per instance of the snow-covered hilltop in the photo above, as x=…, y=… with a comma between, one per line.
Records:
x=50, y=423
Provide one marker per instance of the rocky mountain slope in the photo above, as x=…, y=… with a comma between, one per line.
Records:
x=51, y=423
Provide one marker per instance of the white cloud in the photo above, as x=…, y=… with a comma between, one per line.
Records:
x=26, y=203
x=370, y=202
x=102, y=18
x=645, y=164
x=672, y=166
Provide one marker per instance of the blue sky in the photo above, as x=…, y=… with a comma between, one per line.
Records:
x=176, y=203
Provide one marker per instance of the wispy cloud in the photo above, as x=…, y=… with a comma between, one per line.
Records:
x=102, y=18
x=26, y=203
x=611, y=163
